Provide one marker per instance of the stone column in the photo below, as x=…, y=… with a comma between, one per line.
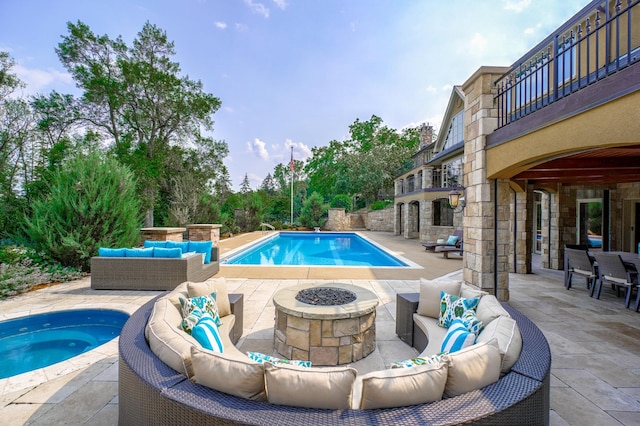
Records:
x=205, y=232
x=480, y=265
x=524, y=226
x=162, y=234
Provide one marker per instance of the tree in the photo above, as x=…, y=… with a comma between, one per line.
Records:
x=313, y=211
x=245, y=187
x=268, y=185
x=363, y=165
x=136, y=97
x=342, y=201
x=90, y=203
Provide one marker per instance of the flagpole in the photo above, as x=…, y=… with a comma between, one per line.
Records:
x=291, y=169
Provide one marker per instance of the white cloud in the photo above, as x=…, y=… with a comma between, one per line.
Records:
x=532, y=30
x=241, y=27
x=37, y=80
x=431, y=89
x=258, y=8
x=282, y=4
x=254, y=180
x=478, y=42
x=300, y=150
x=516, y=6
x=258, y=148
x=221, y=25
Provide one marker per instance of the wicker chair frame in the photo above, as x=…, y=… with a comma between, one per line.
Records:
x=150, y=392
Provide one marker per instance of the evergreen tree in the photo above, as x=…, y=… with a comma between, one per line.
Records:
x=313, y=211
x=268, y=185
x=245, y=187
x=90, y=203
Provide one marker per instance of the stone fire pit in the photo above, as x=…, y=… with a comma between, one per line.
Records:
x=330, y=324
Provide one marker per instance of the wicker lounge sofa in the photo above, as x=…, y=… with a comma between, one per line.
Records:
x=150, y=392
x=150, y=273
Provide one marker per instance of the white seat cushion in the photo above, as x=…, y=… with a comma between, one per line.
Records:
x=505, y=330
x=225, y=373
x=329, y=388
x=429, y=301
x=489, y=308
x=473, y=368
x=435, y=334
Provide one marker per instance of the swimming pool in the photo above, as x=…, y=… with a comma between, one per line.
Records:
x=37, y=341
x=315, y=249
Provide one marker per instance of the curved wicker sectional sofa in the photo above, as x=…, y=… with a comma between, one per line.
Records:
x=150, y=392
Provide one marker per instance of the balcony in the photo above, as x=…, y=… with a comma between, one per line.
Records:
x=589, y=60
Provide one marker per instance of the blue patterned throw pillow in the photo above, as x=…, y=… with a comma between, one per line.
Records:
x=452, y=307
x=262, y=358
x=457, y=337
x=204, y=303
x=412, y=362
x=207, y=334
x=472, y=322
x=192, y=319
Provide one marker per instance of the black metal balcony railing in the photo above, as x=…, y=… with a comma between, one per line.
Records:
x=600, y=40
x=447, y=177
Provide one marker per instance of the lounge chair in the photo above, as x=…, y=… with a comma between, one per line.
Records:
x=454, y=240
x=445, y=250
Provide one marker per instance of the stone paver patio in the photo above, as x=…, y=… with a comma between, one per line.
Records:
x=595, y=344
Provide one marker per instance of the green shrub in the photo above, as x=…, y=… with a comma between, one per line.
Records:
x=89, y=203
x=342, y=201
x=380, y=204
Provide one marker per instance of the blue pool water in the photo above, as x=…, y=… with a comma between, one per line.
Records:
x=37, y=341
x=315, y=249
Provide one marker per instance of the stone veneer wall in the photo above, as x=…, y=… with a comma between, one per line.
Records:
x=378, y=220
x=205, y=232
x=162, y=234
x=197, y=232
x=480, y=244
x=325, y=341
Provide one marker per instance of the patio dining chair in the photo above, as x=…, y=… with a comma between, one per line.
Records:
x=613, y=271
x=580, y=263
x=636, y=263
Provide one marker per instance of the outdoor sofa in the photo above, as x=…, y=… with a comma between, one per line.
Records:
x=151, y=392
x=151, y=273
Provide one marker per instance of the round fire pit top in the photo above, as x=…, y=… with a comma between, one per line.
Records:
x=285, y=300
x=325, y=296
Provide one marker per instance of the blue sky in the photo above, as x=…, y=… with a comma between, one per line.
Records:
x=293, y=72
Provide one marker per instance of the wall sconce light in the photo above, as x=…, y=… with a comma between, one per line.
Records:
x=457, y=199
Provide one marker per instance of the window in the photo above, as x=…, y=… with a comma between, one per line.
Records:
x=442, y=213
x=452, y=176
x=455, y=134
